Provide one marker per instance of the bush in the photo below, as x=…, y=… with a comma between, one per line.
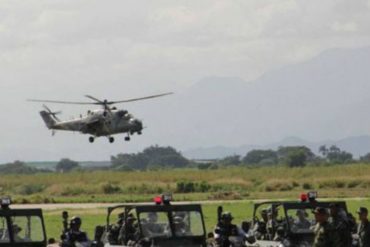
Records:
x=203, y=187
x=278, y=186
x=189, y=187
x=109, y=188
x=185, y=187
x=227, y=195
x=307, y=186
x=285, y=187
x=332, y=184
x=30, y=189
x=353, y=184
x=73, y=191
x=295, y=184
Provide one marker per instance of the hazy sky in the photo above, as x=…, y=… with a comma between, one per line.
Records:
x=122, y=49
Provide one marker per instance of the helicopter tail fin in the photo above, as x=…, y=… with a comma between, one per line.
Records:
x=48, y=119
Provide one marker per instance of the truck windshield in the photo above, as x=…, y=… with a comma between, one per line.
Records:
x=27, y=229
x=184, y=224
x=187, y=223
x=4, y=233
x=301, y=220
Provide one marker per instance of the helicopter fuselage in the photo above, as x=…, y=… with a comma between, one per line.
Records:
x=97, y=123
x=107, y=121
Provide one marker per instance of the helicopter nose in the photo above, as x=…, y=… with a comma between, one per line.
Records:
x=138, y=124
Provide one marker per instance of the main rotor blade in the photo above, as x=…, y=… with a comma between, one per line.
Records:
x=46, y=108
x=95, y=99
x=137, y=99
x=62, y=102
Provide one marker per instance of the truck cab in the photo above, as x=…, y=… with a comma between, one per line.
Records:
x=21, y=227
x=290, y=223
x=161, y=224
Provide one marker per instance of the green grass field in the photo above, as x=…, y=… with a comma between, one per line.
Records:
x=235, y=183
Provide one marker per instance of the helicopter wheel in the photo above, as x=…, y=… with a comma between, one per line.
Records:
x=111, y=139
x=91, y=139
x=139, y=133
x=127, y=138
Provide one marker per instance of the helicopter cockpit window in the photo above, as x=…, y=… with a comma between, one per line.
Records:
x=155, y=224
x=300, y=220
x=27, y=229
x=121, y=113
x=4, y=233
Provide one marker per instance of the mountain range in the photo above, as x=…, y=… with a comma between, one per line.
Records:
x=324, y=98
x=358, y=146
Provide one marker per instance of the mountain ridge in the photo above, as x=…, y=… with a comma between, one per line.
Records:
x=357, y=145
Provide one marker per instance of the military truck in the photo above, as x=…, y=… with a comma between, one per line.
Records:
x=158, y=224
x=21, y=227
x=289, y=223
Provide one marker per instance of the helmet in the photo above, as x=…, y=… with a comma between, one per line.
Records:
x=76, y=220
x=177, y=220
x=227, y=216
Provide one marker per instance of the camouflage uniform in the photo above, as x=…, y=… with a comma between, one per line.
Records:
x=325, y=236
x=75, y=235
x=364, y=234
x=128, y=231
x=342, y=226
x=224, y=230
x=260, y=227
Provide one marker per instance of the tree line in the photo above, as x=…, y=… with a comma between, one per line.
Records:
x=157, y=157
x=294, y=156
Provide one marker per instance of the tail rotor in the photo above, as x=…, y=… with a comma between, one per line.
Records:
x=51, y=113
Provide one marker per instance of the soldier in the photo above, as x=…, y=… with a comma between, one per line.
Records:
x=226, y=229
x=128, y=231
x=115, y=229
x=16, y=230
x=340, y=221
x=151, y=226
x=75, y=235
x=325, y=234
x=260, y=228
x=363, y=230
x=180, y=226
x=302, y=222
x=272, y=222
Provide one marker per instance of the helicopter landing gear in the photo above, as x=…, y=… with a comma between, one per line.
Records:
x=91, y=139
x=111, y=139
x=127, y=138
x=139, y=133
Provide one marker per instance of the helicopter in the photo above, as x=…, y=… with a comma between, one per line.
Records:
x=106, y=121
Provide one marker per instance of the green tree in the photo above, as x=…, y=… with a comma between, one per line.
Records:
x=335, y=155
x=365, y=158
x=232, y=160
x=66, y=165
x=283, y=152
x=18, y=167
x=149, y=158
x=257, y=156
x=171, y=161
x=323, y=150
x=297, y=158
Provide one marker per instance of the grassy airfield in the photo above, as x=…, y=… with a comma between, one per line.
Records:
x=233, y=183
x=242, y=184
